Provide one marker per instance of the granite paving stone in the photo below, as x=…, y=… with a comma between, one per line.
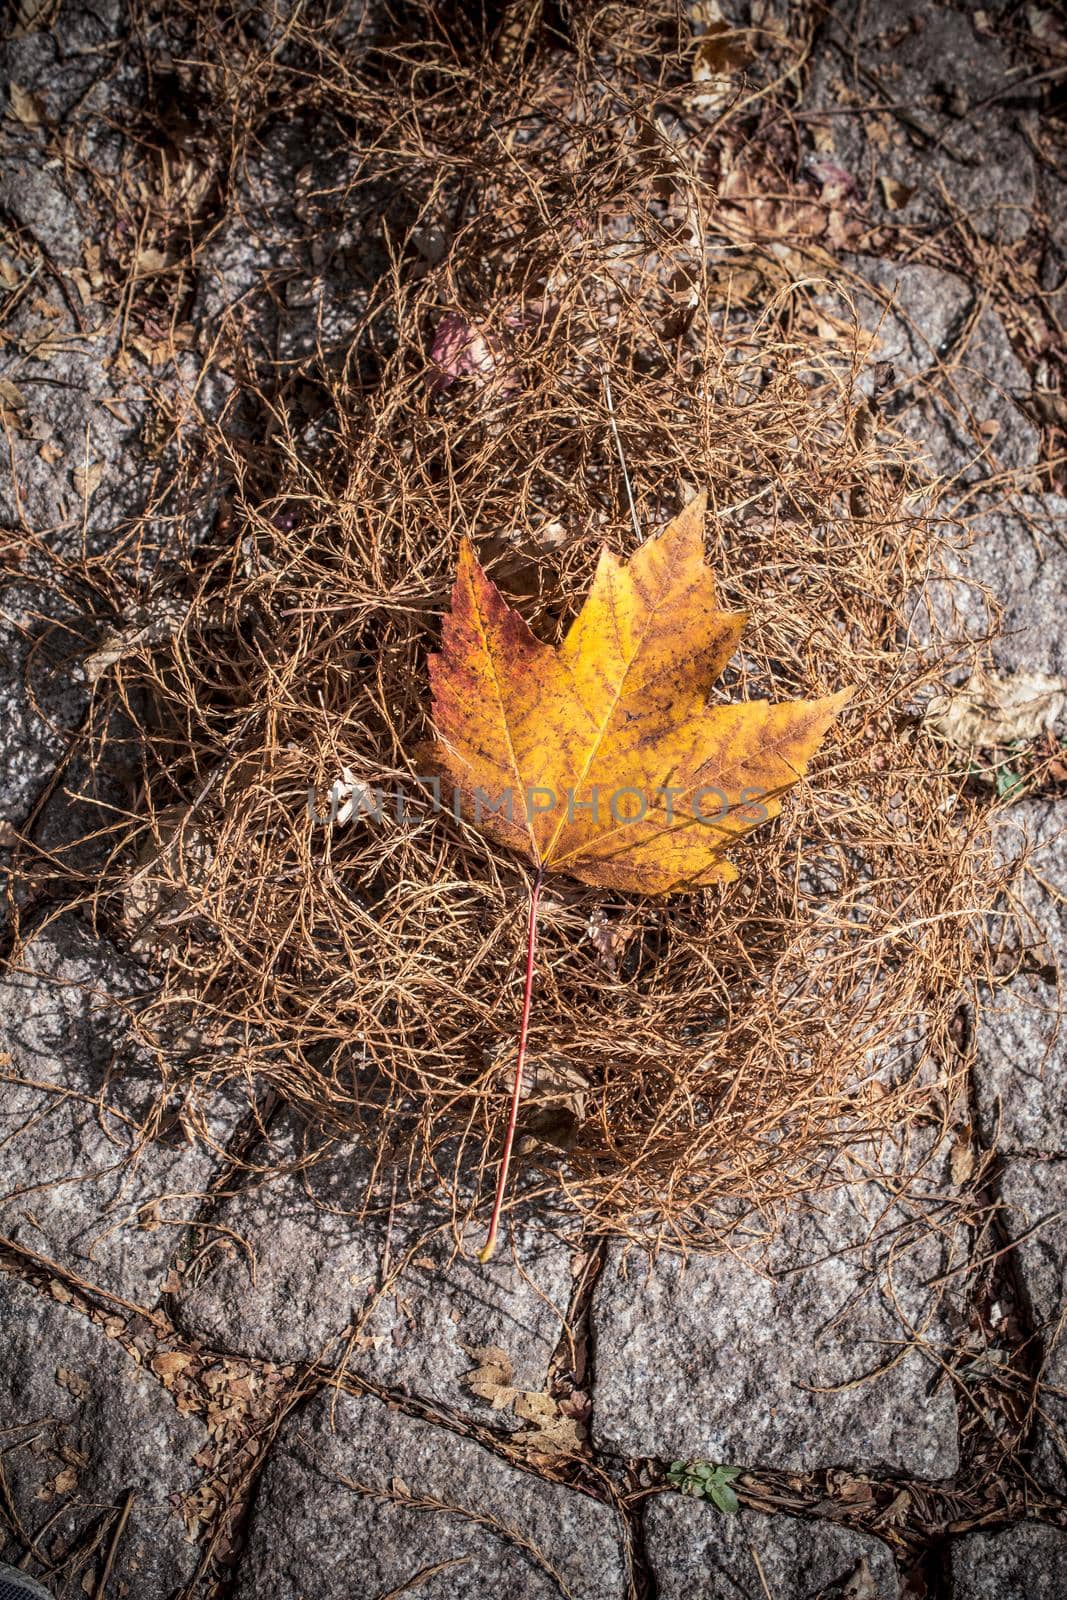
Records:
x=84, y=1427
x=962, y=142
x=359, y=1499
x=293, y=1264
x=1020, y=1069
x=715, y=1360
x=956, y=383
x=1034, y=1194
x=1025, y=1562
x=1032, y=834
x=696, y=1553
x=78, y=1185
x=1016, y=552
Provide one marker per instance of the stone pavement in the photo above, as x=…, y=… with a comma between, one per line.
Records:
x=184, y=1332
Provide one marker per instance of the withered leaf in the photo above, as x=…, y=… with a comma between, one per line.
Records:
x=993, y=709
x=601, y=758
x=11, y=396
x=492, y=1378
x=895, y=195
x=553, y=1432
x=25, y=106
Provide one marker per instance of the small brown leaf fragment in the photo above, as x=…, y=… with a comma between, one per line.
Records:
x=87, y=479
x=895, y=195
x=553, y=1433
x=861, y=1584
x=73, y=1384
x=720, y=53
x=608, y=935
x=148, y=625
x=492, y=1378
x=1049, y=406
x=857, y=1491
x=962, y=1159
x=149, y=263
x=992, y=710
x=577, y=1405
x=552, y=1089
x=169, y=1363
x=26, y=107
x=897, y=1510
x=722, y=48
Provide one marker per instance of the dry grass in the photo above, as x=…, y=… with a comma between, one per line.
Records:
x=695, y=1057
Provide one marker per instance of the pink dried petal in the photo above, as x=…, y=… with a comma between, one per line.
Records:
x=463, y=349
x=833, y=179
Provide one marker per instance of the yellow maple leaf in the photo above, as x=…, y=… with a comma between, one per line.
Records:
x=601, y=758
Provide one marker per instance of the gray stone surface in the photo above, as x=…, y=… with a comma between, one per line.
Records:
x=69, y=484
x=696, y=1553
x=720, y=1362
x=83, y=1426
x=316, y=1263
x=1033, y=836
x=955, y=387
x=84, y=483
x=81, y=409
x=42, y=693
x=716, y=1361
x=931, y=60
x=1035, y=1196
x=290, y=268
x=75, y=1093
x=1026, y=1562
x=76, y=477
x=330, y=1517
x=64, y=67
x=1020, y=1069
x=1018, y=553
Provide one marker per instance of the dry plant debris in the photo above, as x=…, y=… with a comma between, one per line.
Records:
x=555, y=1424
x=560, y=207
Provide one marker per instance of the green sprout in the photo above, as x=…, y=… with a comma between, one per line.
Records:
x=705, y=1481
x=1009, y=783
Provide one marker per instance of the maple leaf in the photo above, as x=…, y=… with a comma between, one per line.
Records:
x=597, y=758
x=601, y=758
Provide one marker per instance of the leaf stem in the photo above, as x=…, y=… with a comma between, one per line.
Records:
x=516, y=1087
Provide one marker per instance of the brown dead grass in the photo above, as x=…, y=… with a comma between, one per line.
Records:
x=694, y=1057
